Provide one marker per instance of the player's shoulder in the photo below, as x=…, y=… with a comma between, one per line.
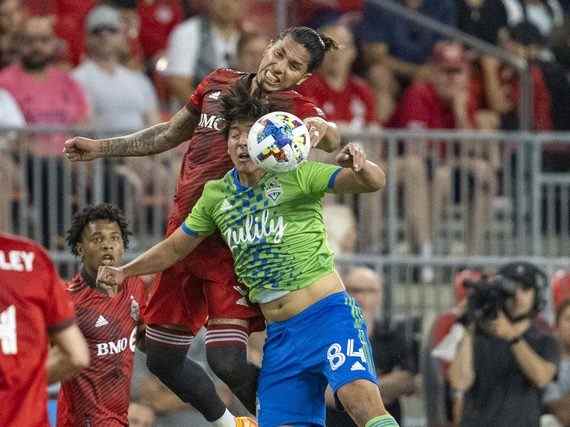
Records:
x=224, y=76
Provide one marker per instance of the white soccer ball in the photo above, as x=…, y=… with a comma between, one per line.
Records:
x=278, y=142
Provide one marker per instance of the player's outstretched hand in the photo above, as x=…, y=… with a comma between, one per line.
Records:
x=352, y=156
x=82, y=149
x=110, y=278
x=317, y=128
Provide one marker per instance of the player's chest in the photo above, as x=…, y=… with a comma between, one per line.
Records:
x=109, y=320
x=211, y=118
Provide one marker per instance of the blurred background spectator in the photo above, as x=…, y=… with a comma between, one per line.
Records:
x=202, y=44
x=11, y=19
x=401, y=44
x=544, y=14
x=250, y=49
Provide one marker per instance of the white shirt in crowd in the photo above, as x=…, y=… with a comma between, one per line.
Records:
x=120, y=100
x=184, y=45
x=10, y=114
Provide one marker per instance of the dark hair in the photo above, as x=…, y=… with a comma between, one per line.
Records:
x=316, y=43
x=89, y=214
x=241, y=106
x=561, y=309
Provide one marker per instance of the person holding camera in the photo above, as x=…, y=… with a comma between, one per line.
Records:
x=504, y=359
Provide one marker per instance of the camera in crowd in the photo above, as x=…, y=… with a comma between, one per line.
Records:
x=488, y=295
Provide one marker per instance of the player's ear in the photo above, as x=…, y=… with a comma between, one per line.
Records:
x=79, y=249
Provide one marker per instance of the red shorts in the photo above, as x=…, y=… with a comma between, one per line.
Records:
x=200, y=287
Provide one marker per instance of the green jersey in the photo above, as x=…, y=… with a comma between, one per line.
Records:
x=274, y=229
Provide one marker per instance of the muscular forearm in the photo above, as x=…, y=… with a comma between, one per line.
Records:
x=331, y=140
x=152, y=140
x=539, y=371
x=158, y=258
x=461, y=373
x=371, y=177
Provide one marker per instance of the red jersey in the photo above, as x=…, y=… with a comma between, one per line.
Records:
x=353, y=104
x=99, y=395
x=157, y=19
x=207, y=156
x=33, y=303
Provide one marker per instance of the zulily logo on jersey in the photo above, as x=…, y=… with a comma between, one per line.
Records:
x=211, y=121
x=256, y=228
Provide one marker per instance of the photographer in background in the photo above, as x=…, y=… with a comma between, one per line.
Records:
x=503, y=360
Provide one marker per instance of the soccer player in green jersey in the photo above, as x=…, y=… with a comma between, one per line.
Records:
x=273, y=224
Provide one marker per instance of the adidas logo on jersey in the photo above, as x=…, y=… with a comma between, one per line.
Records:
x=101, y=321
x=357, y=366
x=226, y=206
x=214, y=95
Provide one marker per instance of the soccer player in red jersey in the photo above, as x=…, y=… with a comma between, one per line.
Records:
x=109, y=319
x=33, y=310
x=202, y=289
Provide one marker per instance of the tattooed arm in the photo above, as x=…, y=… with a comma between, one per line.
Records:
x=153, y=140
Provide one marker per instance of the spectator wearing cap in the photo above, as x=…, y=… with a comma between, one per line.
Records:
x=121, y=99
x=401, y=44
x=445, y=101
x=557, y=394
x=200, y=45
x=503, y=363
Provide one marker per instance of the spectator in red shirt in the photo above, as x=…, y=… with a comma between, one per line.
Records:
x=344, y=97
x=445, y=102
x=157, y=19
x=349, y=101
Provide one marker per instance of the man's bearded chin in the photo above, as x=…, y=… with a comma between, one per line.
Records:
x=35, y=63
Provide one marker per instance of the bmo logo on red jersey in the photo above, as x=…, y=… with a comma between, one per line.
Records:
x=116, y=347
x=211, y=121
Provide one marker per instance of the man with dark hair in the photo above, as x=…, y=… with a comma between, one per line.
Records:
x=109, y=317
x=202, y=289
x=273, y=225
x=503, y=362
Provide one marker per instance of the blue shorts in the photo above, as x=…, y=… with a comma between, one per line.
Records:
x=327, y=343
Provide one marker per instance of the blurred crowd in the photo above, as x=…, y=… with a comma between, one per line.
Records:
x=109, y=66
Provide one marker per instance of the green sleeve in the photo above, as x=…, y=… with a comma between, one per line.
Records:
x=316, y=177
x=200, y=222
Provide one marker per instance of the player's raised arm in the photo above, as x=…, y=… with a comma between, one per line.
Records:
x=153, y=140
x=156, y=259
x=68, y=356
x=357, y=175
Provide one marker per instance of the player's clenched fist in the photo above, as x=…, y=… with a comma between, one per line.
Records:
x=110, y=277
x=351, y=156
x=82, y=149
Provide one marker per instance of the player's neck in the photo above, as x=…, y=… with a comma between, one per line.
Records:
x=89, y=276
x=249, y=179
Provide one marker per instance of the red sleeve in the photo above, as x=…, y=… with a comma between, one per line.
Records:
x=195, y=102
x=542, y=104
x=59, y=311
x=304, y=108
x=413, y=110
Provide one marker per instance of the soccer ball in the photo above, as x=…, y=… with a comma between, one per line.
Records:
x=278, y=142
